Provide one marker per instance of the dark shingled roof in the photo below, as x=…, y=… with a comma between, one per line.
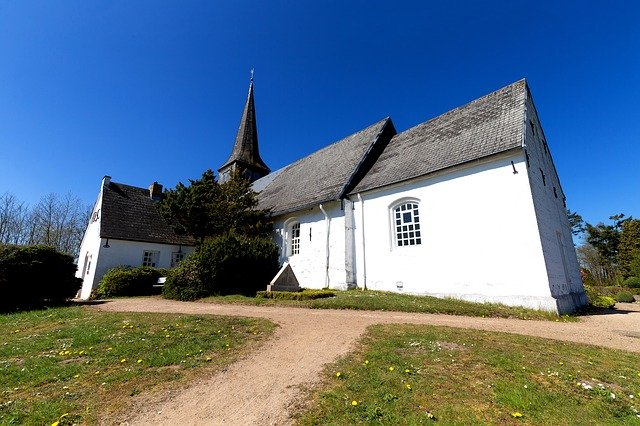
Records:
x=326, y=174
x=129, y=213
x=245, y=148
x=486, y=126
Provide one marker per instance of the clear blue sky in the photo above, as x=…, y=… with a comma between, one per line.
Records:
x=153, y=90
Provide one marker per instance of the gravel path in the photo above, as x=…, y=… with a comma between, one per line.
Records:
x=265, y=385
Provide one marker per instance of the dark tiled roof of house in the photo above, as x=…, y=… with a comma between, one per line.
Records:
x=129, y=213
x=486, y=126
x=324, y=175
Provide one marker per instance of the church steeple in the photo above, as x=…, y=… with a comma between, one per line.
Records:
x=245, y=155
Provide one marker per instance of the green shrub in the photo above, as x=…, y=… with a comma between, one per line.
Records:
x=128, y=281
x=230, y=264
x=300, y=295
x=186, y=282
x=625, y=296
x=632, y=282
x=603, y=302
x=32, y=275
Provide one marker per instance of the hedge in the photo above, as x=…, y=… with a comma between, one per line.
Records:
x=300, y=295
x=625, y=296
x=129, y=281
x=632, y=282
x=230, y=264
x=33, y=275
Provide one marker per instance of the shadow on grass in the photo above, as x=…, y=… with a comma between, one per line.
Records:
x=593, y=310
x=47, y=304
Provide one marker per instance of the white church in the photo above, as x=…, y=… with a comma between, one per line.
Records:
x=466, y=205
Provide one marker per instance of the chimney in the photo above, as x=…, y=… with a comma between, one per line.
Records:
x=155, y=191
x=106, y=180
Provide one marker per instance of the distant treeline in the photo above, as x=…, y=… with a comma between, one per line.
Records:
x=55, y=221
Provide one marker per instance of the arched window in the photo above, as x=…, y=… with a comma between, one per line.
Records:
x=406, y=224
x=293, y=238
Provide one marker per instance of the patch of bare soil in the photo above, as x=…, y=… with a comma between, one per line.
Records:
x=264, y=386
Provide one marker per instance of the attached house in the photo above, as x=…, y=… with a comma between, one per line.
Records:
x=466, y=205
x=126, y=229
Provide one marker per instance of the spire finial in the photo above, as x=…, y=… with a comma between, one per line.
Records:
x=252, y=75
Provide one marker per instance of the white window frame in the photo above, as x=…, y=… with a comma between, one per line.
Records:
x=177, y=257
x=294, y=238
x=406, y=225
x=151, y=258
x=291, y=243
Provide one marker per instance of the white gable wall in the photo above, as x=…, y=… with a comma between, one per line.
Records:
x=310, y=264
x=90, y=249
x=479, y=237
x=555, y=231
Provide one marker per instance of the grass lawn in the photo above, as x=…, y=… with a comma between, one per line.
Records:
x=77, y=365
x=406, y=374
x=387, y=301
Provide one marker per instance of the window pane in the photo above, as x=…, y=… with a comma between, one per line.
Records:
x=407, y=225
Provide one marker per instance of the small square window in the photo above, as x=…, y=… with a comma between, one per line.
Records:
x=176, y=258
x=150, y=258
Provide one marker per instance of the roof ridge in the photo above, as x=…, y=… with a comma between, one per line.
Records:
x=369, y=155
x=469, y=104
x=325, y=148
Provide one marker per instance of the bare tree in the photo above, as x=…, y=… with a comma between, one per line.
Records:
x=54, y=221
x=603, y=272
x=13, y=215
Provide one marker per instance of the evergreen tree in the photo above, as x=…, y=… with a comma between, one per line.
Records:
x=629, y=249
x=206, y=208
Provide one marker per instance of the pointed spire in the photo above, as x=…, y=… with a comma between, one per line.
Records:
x=245, y=154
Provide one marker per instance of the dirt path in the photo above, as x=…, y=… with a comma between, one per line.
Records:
x=262, y=387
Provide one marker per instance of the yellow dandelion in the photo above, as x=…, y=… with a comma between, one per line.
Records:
x=139, y=361
x=366, y=362
x=561, y=363
x=167, y=335
x=408, y=386
x=391, y=368
x=56, y=423
x=76, y=376
x=208, y=358
x=354, y=402
x=407, y=370
x=338, y=374
x=109, y=349
x=123, y=360
x=97, y=372
x=516, y=415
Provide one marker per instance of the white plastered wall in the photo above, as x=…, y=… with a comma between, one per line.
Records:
x=127, y=253
x=555, y=231
x=480, y=240
x=90, y=248
x=310, y=263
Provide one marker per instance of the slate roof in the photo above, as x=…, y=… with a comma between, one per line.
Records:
x=324, y=175
x=129, y=213
x=489, y=125
x=245, y=148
